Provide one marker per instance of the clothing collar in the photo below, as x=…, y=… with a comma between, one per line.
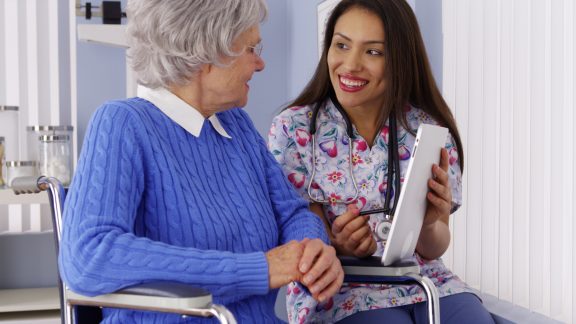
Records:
x=333, y=113
x=179, y=111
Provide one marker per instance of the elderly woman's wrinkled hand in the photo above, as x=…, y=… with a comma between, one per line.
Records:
x=310, y=262
x=283, y=264
x=323, y=274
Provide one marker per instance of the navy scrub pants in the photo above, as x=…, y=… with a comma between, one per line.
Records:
x=458, y=308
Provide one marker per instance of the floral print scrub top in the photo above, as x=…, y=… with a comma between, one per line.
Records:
x=291, y=144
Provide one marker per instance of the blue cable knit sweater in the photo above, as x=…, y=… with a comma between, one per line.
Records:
x=149, y=201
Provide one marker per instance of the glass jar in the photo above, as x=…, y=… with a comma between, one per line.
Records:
x=55, y=157
x=15, y=169
x=9, y=130
x=34, y=132
x=1, y=162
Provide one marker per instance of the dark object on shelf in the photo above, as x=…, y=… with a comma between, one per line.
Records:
x=111, y=12
x=88, y=8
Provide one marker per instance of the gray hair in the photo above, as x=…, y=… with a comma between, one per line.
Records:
x=169, y=40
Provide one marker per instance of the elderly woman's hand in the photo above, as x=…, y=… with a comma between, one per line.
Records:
x=323, y=274
x=283, y=263
x=310, y=262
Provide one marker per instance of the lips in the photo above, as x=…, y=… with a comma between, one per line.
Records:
x=351, y=84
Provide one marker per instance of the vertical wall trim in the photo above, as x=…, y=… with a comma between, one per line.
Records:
x=73, y=78
x=3, y=31
x=557, y=247
x=546, y=189
x=569, y=163
x=461, y=114
x=474, y=206
x=12, y=35
x=491, y=128
x=53, y=55
x=32, y=73
x=505, y=275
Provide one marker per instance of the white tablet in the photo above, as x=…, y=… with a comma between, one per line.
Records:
x=409, y=214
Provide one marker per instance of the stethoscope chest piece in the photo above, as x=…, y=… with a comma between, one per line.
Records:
x=382, y=230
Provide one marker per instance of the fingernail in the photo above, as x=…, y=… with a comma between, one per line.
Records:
x=313, y=289
x=303, y=267
x=321, y=298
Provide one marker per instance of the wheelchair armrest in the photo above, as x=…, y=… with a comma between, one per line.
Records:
x=167, y=297
x=165, y=289
x=372, y=266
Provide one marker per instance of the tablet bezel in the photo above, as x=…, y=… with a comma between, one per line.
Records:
x=412, y=203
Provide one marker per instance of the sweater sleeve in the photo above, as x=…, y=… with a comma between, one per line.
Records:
x=295, y=220
x=99, y=252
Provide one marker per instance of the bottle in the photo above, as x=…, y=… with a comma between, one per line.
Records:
x=35, y=131
x=9, y=130
x=16, y=169
x=55, y=157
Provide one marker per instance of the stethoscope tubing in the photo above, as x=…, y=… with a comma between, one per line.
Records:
x=393, y=174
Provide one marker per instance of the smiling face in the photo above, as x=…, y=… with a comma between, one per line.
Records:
x=356, y=61
x=225, y=87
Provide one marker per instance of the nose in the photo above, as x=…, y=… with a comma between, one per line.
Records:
x=259, y=63
x=353, y=61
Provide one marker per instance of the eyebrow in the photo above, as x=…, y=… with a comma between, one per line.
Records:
x=366, y=42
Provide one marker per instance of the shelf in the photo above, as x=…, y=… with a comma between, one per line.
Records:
x=30, y=299
x=7, y=197
x=114, y=35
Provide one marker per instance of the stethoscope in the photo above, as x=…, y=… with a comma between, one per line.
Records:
x=393, y=176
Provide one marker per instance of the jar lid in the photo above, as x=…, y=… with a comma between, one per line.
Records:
x=53, y=138
x=50, y=128
x=12, y=164
x=8, y=108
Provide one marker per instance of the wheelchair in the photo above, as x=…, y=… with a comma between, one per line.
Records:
x=187, y=300
x=169, y=297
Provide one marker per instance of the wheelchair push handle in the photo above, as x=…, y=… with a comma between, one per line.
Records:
x=29, y=185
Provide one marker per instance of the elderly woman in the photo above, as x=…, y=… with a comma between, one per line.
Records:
x=177, y=185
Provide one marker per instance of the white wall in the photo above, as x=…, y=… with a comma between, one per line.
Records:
x=509, y=76
x=269, y=88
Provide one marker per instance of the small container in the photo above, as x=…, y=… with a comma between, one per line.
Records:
x=9, y=130
x=55, y=157
x=2, y=180
x=16, y=169
x=34, y=132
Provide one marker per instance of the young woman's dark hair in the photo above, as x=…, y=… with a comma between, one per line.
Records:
x=408, y=71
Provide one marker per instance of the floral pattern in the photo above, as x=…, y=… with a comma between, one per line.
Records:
x=291, y=144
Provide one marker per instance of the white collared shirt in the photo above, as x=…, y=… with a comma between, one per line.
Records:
x=179, y=111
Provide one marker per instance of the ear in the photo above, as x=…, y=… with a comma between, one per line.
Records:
x=206, y=68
